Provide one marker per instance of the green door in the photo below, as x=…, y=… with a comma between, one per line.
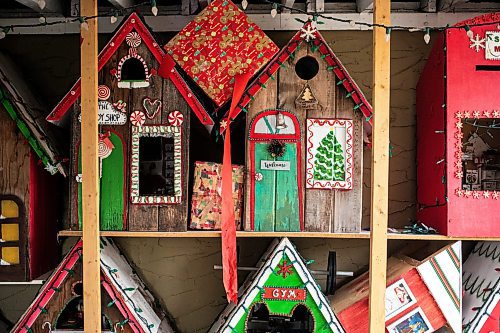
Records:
x=276, y=185
x=112, y=203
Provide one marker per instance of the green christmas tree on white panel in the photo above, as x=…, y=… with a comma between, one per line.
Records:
x=329, y=159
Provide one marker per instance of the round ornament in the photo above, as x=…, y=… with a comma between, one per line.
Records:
x=175, y=118
x=137, y=118
x=133, y=39
x=276, y=148
x=104, y=149
x=259, y=177
x=103, y=92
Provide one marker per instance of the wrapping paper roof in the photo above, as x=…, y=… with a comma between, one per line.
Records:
x=218, y=44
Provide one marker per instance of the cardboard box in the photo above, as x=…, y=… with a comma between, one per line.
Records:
x=206, y=202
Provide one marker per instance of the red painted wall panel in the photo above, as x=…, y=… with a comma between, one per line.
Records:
x=354, y=319
x=44, y=213
x=431, y=143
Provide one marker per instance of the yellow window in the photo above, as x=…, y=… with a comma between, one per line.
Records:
x=9, y=209
x=10, y=232
x=10, y=255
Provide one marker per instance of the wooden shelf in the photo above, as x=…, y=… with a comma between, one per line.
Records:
x=250, y=234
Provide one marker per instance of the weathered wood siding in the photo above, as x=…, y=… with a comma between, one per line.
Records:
x=171, y=217
x=324, y=210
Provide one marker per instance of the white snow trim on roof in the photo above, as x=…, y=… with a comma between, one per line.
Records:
x=126, y=278
x=261, y=277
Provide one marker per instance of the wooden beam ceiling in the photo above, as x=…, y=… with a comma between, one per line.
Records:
x=122, y=3
x=43, y=6
x=364, y=5
x=449, y=5
x=429, y=6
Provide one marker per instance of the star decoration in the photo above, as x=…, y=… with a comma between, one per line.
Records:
x=487, y=114
x=459, y=124
x=459, y=135
x=496, y=114
x=478, y=43
x=466, y=114
x=285, y=269
x=458, y=115
x=459, y=192
x=308, y=33
x=475, y=194
x=476, y=114
x=467, y=193
x=495, y=195
x=458, y=154
x=223, y=124
x=52, y=169
x=486, y=194
x=458, y=145
x=459, y=174
x=458, y=164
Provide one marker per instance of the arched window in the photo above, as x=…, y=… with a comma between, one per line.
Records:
x=133, y=70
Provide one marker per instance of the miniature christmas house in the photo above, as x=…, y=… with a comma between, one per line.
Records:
x=421, y=295
x=304, y=123
x=145, y=126
x=281, y=296
x=29, y=158
x=127, y=305
x=458, y=150
x=481, y=285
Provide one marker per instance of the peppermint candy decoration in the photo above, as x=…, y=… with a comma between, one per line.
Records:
x=133, y=39
x=104, y=149
x=175, y=118
x=103, y=92
x=137, y=118
x=259, y=177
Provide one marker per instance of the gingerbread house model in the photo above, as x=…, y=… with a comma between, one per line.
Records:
x=305, y=119
x=30, y=154
x=144, y=142
x=127, y=305
x=280, y=296
x=423, y=293
x=481, y=286
x=458, y=142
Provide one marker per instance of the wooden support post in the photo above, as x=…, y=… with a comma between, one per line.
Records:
x=90, y=172
x=380, y=165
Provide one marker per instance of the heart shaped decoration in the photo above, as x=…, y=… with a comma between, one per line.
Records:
x=152, y=107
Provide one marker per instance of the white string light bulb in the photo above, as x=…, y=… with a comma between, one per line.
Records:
x=154, y=9
x=427, y=36
x=84, y=25
x=113, y=19
x=41, y=4
x=42, y=19
x=274, y=11
x=469, y=32
x=352, y=23
x=244, y=4
x=388, y=34
x=2, y=34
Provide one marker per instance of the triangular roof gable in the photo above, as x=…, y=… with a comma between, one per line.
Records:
x=133, y=22
x=268, y=273
x=25, y=109
x=115, y=272
x=334, y=64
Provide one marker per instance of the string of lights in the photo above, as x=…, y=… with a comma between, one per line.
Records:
x=114, y=13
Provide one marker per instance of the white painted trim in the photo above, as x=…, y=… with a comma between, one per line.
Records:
x=168, y=23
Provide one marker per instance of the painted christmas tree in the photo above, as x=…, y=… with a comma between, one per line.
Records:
x=329, y=159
